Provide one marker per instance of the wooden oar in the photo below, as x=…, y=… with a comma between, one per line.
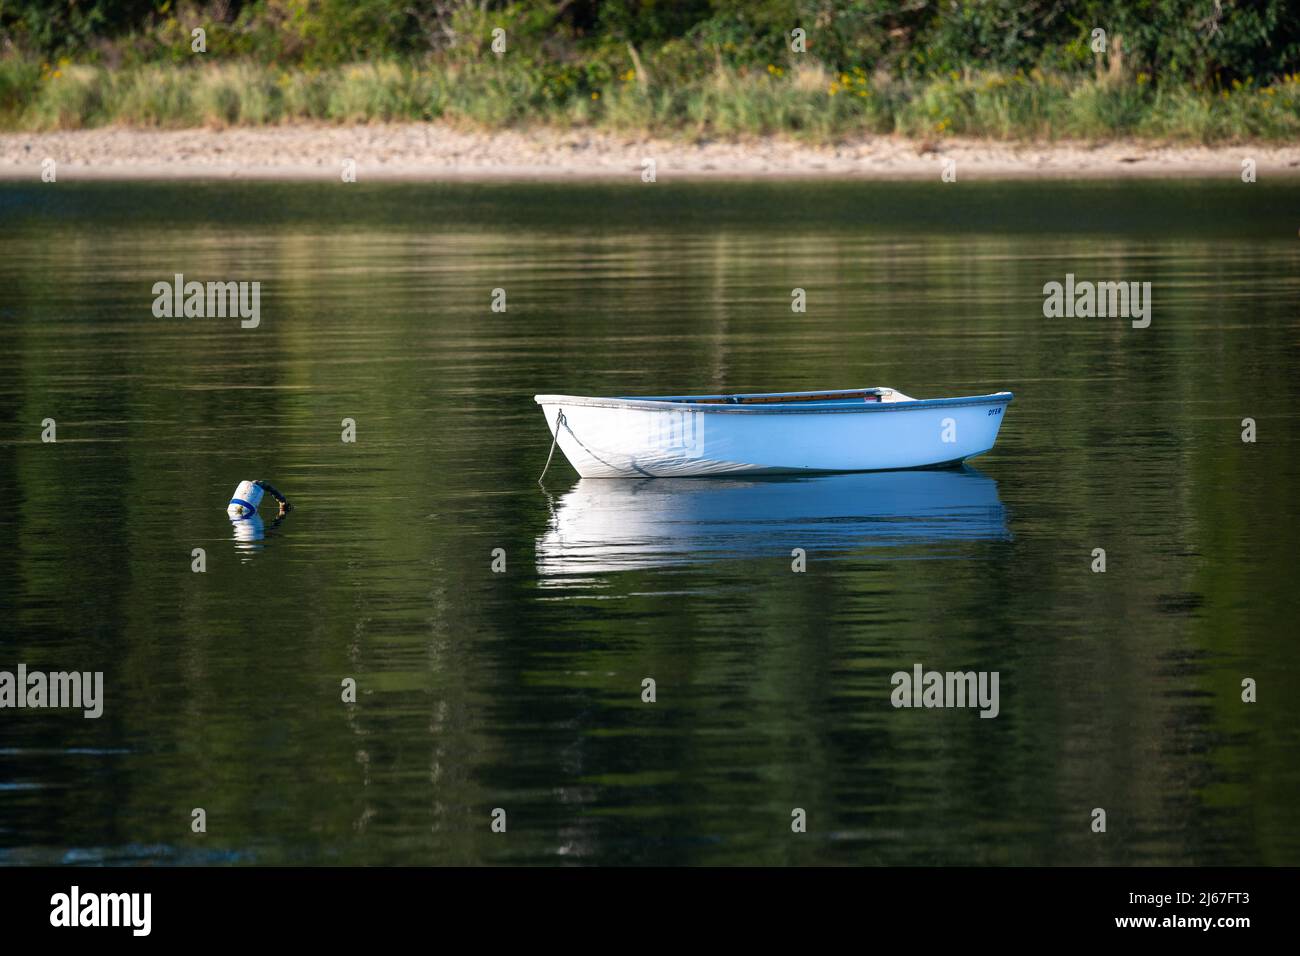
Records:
x=868, y=395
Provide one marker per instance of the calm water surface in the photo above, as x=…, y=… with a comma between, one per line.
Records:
x=522, y=690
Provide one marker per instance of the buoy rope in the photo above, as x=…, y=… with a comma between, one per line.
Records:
x=559, y=420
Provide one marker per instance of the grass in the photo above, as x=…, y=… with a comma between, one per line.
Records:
x=805, y=102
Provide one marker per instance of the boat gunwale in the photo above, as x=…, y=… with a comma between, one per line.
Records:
x=679, y=403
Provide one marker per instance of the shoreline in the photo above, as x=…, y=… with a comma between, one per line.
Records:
x=434, y=152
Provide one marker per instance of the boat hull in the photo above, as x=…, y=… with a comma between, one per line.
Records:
x=635, y=438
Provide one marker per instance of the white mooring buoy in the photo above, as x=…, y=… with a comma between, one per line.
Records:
x=244, y=502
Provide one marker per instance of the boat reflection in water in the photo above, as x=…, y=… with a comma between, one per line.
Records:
x=604, y=525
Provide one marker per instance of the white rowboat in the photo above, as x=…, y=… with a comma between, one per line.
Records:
x=769, y=433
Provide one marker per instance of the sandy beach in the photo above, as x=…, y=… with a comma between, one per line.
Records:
x=431, y=152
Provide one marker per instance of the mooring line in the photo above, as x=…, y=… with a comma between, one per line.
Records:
x=555, y=439
x=561, y=420
x=583, y=446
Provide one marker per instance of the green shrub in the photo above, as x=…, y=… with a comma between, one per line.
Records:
x=808, y=101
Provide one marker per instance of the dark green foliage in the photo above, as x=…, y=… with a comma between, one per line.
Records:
x=1193, y=70
x=1189, y=41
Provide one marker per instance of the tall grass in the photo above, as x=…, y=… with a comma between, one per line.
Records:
x=807, y=102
